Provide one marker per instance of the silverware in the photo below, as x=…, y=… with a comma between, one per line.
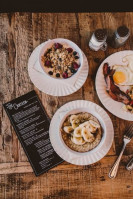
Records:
x=127, y=137
x=129, y=166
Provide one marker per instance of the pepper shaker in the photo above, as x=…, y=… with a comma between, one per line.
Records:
x=98, y=40
x=119, y=37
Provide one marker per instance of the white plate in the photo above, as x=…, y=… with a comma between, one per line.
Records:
x=51, y=86
x=111, y=105
x=74, y=157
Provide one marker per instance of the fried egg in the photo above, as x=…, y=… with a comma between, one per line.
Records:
x=123, y=74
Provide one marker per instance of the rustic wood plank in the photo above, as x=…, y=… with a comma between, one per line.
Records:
x=25, y=167
x=7, y=89
x=21, y=25
x=20, y=33
x=68, y=183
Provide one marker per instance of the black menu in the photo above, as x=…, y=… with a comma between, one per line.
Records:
x=31, y=125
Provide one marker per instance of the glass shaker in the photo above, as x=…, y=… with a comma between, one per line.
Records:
x=120, y=37
x=98, y=40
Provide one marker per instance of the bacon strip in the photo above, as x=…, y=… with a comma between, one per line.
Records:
x=113, y=90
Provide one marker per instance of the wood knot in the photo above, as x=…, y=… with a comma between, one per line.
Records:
x=102, y=178
x=52, y=103
x=1, y=96
x=11, y=50
x=8, y=138
x=97, y=60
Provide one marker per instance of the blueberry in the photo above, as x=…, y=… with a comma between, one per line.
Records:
x=49, y=50
x=60, y=59
x=73, y=70
x=57, y=74
x=74, y=53
x=50, y=73
x=76, y=57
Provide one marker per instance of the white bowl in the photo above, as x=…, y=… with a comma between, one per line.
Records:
x=78, y=158
x=104, y=130
x=62, y=41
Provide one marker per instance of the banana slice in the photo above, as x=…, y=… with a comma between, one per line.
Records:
x=88, y=126
x=73, y=118
x=84, y=124
x=77, y=132
x=75, y=125
x=88, y=137
x=94, y=124
x=68, y=129
x=78, y=140
x=74, y=121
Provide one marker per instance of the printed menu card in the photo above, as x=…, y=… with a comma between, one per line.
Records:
x=31, y=125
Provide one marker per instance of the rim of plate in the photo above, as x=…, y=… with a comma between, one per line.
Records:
x=51, y=88
x=95, y=154
x=111, y=105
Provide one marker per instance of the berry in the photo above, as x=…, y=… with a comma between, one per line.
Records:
x=131, y=103
x=47, y=63
x=73, y=70
x=49, y=50
x=65, y=75
x=127, y=91
x=57, y=45
x=74, y=53
x=76, y=57
x=75, y=65
x=69, y=50
x=57, y=74
x=60, y=59
x=50, y=73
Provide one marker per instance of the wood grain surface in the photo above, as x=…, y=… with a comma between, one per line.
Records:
x=20, y=33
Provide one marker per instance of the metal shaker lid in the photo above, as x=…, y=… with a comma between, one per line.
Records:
x=100, y=34
x=122, y=31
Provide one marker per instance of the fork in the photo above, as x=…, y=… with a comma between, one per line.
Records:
x=127, y=137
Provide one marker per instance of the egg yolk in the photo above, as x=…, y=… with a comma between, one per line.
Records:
x=119, y=77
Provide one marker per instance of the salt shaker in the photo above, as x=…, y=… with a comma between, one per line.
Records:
x=120, y=37
x=98, y=40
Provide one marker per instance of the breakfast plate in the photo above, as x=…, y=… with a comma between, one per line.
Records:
x=53, y=86
x=115, y=107
x=74, y=157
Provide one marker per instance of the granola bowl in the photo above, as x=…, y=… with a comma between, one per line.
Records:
x=61, y=59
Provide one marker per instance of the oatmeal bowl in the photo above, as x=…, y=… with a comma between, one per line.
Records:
x=61, y=59
x=81, y=132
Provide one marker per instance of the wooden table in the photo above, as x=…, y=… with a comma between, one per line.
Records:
x=20, y=33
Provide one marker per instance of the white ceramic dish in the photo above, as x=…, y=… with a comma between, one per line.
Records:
x=52, y=86
x=67, y=43
x=111, y=105
x=76, y=157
